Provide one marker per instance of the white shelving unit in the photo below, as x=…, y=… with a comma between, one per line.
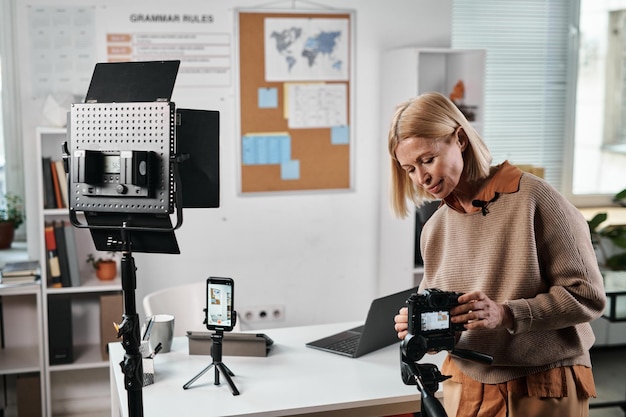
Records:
x=22, y=352
x=81, y=386
x=407, y=73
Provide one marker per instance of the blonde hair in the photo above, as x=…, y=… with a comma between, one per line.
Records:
x=431, y=116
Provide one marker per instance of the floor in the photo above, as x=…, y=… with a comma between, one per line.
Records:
x=609, y=371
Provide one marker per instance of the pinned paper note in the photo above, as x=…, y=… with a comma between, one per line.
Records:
x=339, y=135
x=290, y=170
x=268, y=98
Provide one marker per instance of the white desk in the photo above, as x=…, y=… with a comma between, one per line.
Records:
x=292, y=379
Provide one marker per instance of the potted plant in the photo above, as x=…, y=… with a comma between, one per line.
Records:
x=11, y=217
x=105, y=267
x=610, y=240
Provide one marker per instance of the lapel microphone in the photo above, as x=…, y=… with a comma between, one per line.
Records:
x=483, y=204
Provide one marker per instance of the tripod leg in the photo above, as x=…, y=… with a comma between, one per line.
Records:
x=227, y=373
x=195, y=378
x=216, y=352
x=228, y=370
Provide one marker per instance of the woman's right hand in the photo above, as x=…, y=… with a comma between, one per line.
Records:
x=402, y=322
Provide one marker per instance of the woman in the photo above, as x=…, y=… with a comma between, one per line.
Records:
x=520, y=253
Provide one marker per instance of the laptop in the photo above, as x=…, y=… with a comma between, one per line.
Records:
x=377, y=332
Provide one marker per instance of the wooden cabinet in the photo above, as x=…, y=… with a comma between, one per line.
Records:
x=407, y=73
x=80, y=386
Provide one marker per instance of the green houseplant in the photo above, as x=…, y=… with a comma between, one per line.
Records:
x=11, y=217
x=610, y=240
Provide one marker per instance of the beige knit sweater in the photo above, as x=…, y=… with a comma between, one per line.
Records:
x=532, y=251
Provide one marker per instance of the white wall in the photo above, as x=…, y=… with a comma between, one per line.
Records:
x=314, y=253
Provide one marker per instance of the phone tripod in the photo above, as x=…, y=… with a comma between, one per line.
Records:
x=216, y=353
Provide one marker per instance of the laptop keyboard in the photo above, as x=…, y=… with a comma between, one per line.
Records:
x=348, y=345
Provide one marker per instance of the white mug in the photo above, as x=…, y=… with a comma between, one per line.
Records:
x=161, y=331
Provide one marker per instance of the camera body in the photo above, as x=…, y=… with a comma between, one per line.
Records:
x=429, y=317
x=430, y=330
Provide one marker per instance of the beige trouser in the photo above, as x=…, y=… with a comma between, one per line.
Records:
x=524, y=406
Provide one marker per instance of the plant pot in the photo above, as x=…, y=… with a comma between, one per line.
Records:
x=107, y=270
x=7, y=232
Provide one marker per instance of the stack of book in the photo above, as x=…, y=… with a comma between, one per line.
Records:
x=20, y=272
x=54, y=184
x=61, y=252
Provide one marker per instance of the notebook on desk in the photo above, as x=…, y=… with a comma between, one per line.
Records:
x=376, y=333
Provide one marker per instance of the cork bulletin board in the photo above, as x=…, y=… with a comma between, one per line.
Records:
x=295, y=119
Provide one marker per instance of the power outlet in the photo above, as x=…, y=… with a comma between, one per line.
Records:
x=271, y=312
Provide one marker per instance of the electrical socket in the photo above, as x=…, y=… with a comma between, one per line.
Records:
x=271, y=312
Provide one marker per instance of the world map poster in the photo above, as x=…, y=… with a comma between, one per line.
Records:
x=311, y=49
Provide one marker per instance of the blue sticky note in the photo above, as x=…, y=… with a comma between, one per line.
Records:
x=285, y=148
x=339, y=135
x=273, y=149
x=262, y=151
x=290, y=170
x=268, y=98
x=248, y=150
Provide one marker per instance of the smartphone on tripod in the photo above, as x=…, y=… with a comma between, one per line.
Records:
x=220, y=317
x=220, y=296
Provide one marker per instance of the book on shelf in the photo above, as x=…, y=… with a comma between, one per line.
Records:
x=64, y=265
x=20, y=272
x=72, y=255
x=21, y=279
x=21, y=269
x=49, y=199
x=52, y=256
x=62, y=178
x=58, y=200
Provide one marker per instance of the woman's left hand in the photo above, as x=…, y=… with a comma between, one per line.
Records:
x=478, y=311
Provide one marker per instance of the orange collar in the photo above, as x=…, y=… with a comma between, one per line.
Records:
x=505, y=180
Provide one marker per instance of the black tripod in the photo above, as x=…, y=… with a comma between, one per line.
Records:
x=425, y=375
x=216, y=353
x=129, y=331
x=427, y=378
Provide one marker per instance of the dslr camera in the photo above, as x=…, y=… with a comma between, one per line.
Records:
x=429, y=320
x=430, y=330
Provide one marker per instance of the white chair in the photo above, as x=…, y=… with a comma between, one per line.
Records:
x=185, y=302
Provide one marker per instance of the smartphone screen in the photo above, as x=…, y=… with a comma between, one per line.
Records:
x=220, y=299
